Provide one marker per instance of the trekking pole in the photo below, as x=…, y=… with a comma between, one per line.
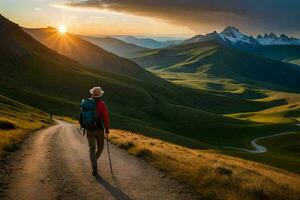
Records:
x=111, y=169
x=78, y=129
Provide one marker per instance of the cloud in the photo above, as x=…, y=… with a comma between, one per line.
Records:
x=37, y=9
x=249, y=15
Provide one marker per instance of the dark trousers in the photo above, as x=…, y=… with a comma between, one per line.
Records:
x=96, y=144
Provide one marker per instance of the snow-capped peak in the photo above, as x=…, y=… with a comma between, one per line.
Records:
x=236, y=37
x=232, y=32
x=232, y=37
x=273, y=39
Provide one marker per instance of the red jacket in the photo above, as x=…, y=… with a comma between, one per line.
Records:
x=103, y=114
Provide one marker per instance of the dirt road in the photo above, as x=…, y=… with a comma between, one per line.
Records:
x=258, y=148
x=54, y=164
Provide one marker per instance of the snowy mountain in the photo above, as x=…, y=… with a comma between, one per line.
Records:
x=272, y=39
x=214, y=36
x=237, y=38
x=230, y=37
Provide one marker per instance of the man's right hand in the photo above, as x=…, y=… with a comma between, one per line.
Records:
x=107, y=131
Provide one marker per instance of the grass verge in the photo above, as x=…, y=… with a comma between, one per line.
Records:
x=213, y=175
x=16, y=122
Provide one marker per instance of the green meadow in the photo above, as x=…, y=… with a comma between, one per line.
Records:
x=283, y=151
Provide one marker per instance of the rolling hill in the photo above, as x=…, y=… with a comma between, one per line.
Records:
x=37, y=76
x=215, y=60
x=115, y=46
x=88, y=54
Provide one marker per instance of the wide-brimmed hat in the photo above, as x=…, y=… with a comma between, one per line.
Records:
x=96, y=92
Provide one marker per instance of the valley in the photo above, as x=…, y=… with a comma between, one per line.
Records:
x=149, y=100
x=212, y=68
x=200, y=95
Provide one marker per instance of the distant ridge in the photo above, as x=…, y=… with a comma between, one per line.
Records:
x=232, y=37
x=214, y=59
x=87, y=53
x=148, y=42
x=115, y=46
x=273, y=39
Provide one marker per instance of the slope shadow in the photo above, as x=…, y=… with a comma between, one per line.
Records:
x=116, y=192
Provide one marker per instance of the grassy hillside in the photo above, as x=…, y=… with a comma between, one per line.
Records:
x=216, y=61
x=16, y=121
x=213, y=175
x=38, y=76
x=286, y=53
x=283, y=152
x=115, y=46
x=88, y=54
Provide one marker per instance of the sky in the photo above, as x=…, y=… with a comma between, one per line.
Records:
x=157, y=17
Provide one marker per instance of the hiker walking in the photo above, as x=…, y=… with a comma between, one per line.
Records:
x=94, y=119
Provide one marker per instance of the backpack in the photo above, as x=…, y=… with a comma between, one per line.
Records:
x=88, y=115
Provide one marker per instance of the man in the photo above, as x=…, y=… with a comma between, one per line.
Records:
x=95, y=133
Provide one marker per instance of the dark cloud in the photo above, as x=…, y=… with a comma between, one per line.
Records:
x=249, y=15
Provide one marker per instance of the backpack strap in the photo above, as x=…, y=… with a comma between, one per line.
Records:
x=98, y=121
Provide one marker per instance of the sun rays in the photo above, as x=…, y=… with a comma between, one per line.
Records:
x=62, y=29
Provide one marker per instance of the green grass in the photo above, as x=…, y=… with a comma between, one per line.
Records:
x=279, y=118
x=283, y=152
x=54, y=83
x=189, y=115
x=217, y=61
x=213, y=175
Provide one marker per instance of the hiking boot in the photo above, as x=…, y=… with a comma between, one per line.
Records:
x=94, y=173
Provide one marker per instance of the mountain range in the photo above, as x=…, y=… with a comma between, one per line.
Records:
x=272, y=39
x=216, y=60
x=232, y=37
x=115, y=45
x=148, y=42
x=232, y=97
x=40, y=77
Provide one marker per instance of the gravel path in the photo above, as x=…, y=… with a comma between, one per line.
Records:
x=54, y=164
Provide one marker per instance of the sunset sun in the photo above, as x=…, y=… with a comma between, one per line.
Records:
x=62, y=29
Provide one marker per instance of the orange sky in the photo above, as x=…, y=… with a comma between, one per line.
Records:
x=42, y=13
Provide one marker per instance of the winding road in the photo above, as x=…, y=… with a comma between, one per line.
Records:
x=54, y=164
x=258, y=148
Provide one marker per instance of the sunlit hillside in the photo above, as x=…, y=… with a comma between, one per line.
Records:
x=215, y=176
x=17, y=121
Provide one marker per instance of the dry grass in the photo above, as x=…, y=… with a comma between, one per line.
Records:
x=67, y=119
x=16, y=121
x=215, y=176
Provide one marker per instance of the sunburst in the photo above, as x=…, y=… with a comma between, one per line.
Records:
x=62, y=29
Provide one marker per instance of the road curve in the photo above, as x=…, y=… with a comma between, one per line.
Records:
x=55, y=165
x=258, y=148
